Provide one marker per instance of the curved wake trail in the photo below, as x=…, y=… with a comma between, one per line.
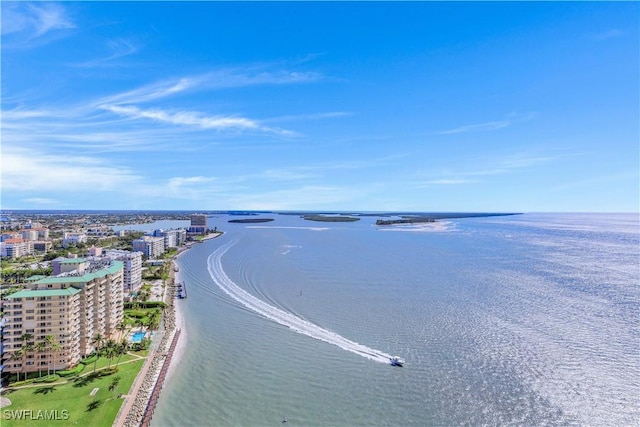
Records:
x=293, y=322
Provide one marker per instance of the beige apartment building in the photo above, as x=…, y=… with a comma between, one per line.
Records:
x=72, y=307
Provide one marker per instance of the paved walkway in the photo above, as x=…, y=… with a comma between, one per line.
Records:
x=133, y=392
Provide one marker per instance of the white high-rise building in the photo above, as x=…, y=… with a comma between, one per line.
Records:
x=151, y=247
x=132, y=268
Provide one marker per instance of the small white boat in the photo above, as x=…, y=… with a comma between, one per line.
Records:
x=396, y=361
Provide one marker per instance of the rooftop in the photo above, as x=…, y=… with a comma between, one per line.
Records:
x=43, y=293
x=72, y=261
x=86, y=277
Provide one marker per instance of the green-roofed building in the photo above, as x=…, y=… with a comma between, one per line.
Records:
x=72, y=307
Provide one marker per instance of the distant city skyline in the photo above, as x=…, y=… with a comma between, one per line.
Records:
x=332, y=106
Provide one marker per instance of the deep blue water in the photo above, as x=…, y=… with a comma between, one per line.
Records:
x=522, y=320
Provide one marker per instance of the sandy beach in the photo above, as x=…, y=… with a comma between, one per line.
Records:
x=180, y=325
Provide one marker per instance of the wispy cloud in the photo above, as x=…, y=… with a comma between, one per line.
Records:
x=41, y=201
x=28, y=170
x=604, y=35
x=214, y=80
x=628, y=176
x=303, y=197
x=495, y=167
x=117, y=48
x=480, y=127
x=23, y=23
x=49, y=17
x=192, y=118
x=313, y=116
x=489, y=126
x=153, y=91
x=448, y=181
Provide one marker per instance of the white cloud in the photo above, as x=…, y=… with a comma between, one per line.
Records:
x=510, y=119
x=305, y=197
x=180, y=182
x=495, y=167
x=315, y=116
x=193, y=118
x=152, y=92
x=218, y=79
x=481, y=127
x=48, y=17
x=32, y=21
x=24, y=170
x=41, y=201
x=117, y=48
x=448, y=181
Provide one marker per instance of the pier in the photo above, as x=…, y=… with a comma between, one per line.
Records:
x=182, y=290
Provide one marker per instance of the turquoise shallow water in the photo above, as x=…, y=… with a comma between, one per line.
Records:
x=523, y=320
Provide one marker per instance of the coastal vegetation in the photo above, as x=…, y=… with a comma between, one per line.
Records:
x=330, y=218
x=251, y=220
x=417, y=220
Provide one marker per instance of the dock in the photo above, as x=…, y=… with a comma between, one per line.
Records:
x=182, y=290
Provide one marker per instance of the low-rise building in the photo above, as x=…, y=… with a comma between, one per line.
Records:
x=42, y=246
x=73, y=238
x=15, y=248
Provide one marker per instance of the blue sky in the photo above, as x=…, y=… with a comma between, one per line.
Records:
x=417, y=106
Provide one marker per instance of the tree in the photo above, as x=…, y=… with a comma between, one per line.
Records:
x=122, y=326
x=40, y=348
x=15, y=356
x=97, y=341
x=26, y=348
x=55, y=347
x=153, y=319
x=110, y=350
x=123, y=346
x=114, y=383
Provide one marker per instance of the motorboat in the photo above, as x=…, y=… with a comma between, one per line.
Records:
x=396, y=361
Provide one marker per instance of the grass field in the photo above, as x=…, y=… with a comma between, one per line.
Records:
x=71, y=404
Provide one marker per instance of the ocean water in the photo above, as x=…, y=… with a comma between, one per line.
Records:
x=521, y=320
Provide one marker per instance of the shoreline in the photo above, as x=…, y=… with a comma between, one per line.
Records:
x=180, y=324
x=134, y=412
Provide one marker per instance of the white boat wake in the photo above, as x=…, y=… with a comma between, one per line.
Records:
x=293, y=322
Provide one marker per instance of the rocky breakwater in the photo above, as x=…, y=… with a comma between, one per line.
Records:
x=160, y=357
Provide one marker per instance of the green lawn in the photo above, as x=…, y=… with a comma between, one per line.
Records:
x=71, y=400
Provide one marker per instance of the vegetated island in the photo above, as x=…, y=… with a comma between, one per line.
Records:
x=326, y=218
x=404, y=221
x=251, y=220
x=433, y=217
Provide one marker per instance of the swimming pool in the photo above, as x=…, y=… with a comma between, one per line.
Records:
x=137, y=337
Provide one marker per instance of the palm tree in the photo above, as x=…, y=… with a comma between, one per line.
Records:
x=153, y=319
x=114, y=383
x=97, y=341
x=26, y=348
x=54, y=346
x=123, y=346
x=17, y=355
x=110, y=351
x=122, y=326
x=40, y=348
